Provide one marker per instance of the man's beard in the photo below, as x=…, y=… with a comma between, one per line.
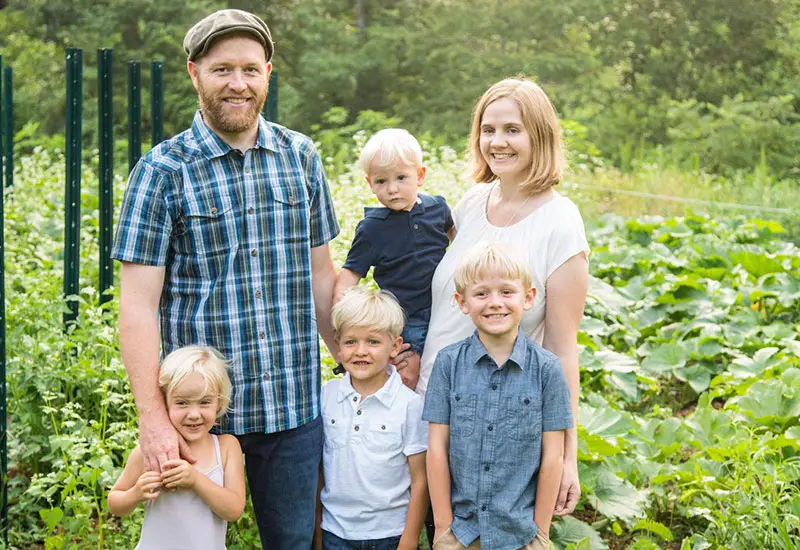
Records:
x=215, y=114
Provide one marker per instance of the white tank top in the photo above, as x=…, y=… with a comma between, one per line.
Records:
x=181, y=520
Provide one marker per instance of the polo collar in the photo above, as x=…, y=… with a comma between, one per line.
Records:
x=213, y=146
x=381, y=212
x=518, y=355
x=385, y=395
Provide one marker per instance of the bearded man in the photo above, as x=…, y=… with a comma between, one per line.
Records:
x=223, y=241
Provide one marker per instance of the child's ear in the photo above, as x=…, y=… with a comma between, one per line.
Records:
x=396, y=347
x=460, y=301
x=530, y=294
x=421, y=176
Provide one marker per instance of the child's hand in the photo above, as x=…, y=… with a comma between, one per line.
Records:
x=177, y=473
x=148, y=486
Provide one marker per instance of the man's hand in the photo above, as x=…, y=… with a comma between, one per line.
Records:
x=178, y=474
x=148, y=486
x=570, y=490
x=161, y=443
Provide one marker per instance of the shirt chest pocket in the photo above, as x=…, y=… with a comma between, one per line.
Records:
x=210, y=223
x=524, y=418
x=336, y=433
x=462, y=416
x=287, y=203
x=383, y=437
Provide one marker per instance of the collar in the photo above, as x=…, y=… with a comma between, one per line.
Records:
x=381, y=212
x=477, y=350
x=385, y=395
x=213, y=146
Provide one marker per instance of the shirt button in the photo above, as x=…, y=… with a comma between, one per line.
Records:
x=258, y=294
x=262, y=335
x=359, y=413
x=333, y=421
x=458, y=398
x=416, y=226
x=491, y=427
x=494, y=386
x=355, y=399
x=356, y=428
x=383, y=427
x=484, y=508
x=247, y=170
x=527, y=401
x=266, y=376
x=253, y=252
x=251, y=210
x=291, y=200
x=486, y=468
x=214, y=210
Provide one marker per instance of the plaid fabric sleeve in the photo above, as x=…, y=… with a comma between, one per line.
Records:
x=144, y=227
x=324, y=226
x=556, y=409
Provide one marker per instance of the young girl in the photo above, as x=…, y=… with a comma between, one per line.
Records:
x=200, y=498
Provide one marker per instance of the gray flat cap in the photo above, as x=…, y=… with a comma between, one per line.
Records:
x=221, y=22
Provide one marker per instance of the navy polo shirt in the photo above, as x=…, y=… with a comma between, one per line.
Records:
x=404, y=247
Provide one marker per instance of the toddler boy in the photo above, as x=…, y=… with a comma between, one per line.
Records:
x=404, y=240
x=374, y=491
x=497, y=406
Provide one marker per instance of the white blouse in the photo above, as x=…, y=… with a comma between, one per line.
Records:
x=547, y=237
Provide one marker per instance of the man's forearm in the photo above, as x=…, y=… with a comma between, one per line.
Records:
x=139, y=344
x=323, y=282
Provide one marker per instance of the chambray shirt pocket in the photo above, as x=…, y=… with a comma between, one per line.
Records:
x=524, y=418
x=463, y=408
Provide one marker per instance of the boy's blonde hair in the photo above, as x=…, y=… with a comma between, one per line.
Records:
x=541, y=123
x=390, y=147
x=485, y=259
x=363, y=307
x=204, y=360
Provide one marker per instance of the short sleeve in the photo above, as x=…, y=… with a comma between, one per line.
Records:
x=360, y=257
x=322, y=218
x=556, y=408
x=567, y=239
x=144, y=227
x=437, y=396
x=415, y=437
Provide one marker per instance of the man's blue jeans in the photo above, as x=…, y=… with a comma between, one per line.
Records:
x=282, y=473
x=332, y=542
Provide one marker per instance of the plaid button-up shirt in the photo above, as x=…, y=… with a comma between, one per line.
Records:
x=235, y=233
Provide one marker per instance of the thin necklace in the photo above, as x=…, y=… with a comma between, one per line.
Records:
x=515, y=213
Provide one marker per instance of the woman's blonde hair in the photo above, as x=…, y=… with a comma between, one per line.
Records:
x=485, y=259
x=390, y=147
x=363, y=307
x=204, y=360
x=541, y=123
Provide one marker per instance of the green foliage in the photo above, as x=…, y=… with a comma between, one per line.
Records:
x=690, y=373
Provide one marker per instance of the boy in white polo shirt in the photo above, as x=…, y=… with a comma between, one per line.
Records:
x=374, y=488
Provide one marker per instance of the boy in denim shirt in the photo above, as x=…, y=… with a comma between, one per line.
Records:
x=404, y=240
x=497, y=406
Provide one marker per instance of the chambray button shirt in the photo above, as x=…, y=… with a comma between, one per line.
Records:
x=496, y=417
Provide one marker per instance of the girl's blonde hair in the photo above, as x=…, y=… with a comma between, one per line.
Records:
x=363, y=307
x=204, y=360
x=390, y=147
x=486, y=259
x=541, y=123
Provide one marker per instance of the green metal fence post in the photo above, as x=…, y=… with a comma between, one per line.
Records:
x=73, y=183
x=156, y=102
x=105, y=125
x=3, y=399
x=271, y=106
x=8, y=116
x=2, y=126
x=134, y=113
